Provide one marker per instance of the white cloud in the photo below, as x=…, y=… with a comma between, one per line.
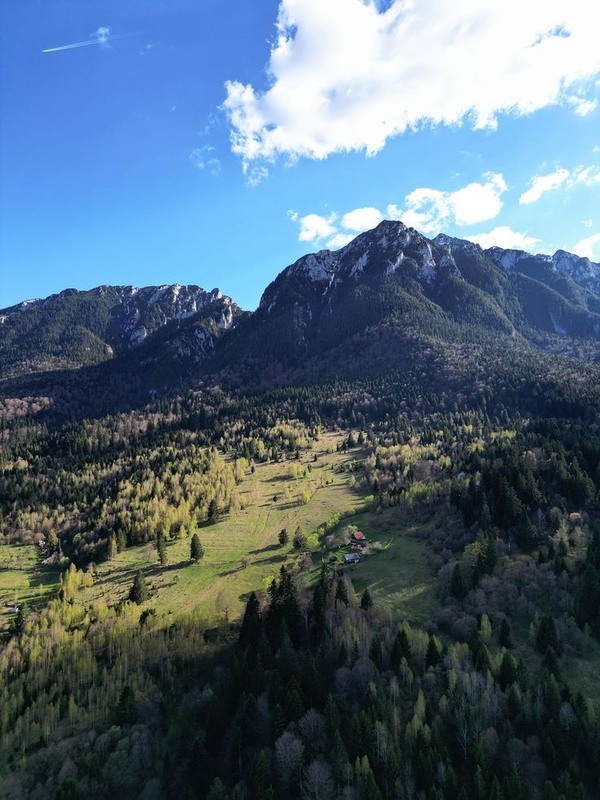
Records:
x=587, y=222
x=586, y=248
x=504, y=236
x=582, y=106
x=362, y=219
x=313, y=227
x=346, y=75
x=429, y=210
x=589, y=176
x=540, y=184
x=203, y=158
x=340, y=240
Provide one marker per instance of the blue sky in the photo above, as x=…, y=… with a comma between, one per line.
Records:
x=214, y=143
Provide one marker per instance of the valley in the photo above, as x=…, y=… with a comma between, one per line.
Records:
x=174, y=522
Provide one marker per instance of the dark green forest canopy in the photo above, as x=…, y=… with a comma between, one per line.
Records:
x=470, y=434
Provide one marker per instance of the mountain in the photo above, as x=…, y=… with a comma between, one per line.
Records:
x=384, y=301
x=418, y=289
x=393, y=464
x=80, y=328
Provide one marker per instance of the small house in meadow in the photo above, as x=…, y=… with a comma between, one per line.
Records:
x=351, y=558
x=358, y=536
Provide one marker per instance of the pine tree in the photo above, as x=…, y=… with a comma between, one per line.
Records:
x=139, y=591
x=341, y=592
x=457, y=586
x=196, y=549
x=251, y=623
x=299, y=540
x=112, y=549
x=400, y=648
x=505, y=635
x=161, y=548
x=366, y=602
x=432, y=654
x=283, y=537
x=213, y=510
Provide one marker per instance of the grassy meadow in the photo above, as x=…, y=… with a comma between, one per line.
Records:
x=241, y=549
x=24, y=580
x=242, y=552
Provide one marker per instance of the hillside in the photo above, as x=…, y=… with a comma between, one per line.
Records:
x=74, y=329
x=392, y=470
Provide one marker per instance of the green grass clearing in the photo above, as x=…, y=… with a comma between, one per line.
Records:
x=24, y=580
x=399, y=576
x=242, y=553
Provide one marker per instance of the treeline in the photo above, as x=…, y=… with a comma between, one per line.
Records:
x=321, y=696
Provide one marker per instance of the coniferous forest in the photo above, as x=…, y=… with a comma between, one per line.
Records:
x=371, y=570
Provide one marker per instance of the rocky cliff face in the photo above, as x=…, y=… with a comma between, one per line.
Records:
x=76, y=328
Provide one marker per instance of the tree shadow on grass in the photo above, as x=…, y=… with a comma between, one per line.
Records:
x=44, y=577
x=266, y=549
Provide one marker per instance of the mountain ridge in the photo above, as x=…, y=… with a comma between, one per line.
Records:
x=313, y=306
x=80, y=328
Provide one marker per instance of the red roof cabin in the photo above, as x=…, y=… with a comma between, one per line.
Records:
x=359, y=536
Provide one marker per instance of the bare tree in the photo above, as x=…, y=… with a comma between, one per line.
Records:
x=289, y=752
x=224, y=602
x=318, y=781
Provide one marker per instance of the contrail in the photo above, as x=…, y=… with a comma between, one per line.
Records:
x=101, y=37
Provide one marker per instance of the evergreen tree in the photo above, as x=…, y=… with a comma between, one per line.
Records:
x=400, y=648
x=126, y=712
x=213, y=510
x=546, y=637
x=366, y=601
x=432, y=654
x=505, y=635
x=457, y=586
x=139, y=591
x=508, y=671
x=341, y=592
x=161, y=547
x=299, y=540
x=251, y=623
x=196, y=549
x=283, y=537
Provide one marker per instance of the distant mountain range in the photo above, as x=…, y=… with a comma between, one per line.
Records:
x=390, y=276
x=74, y=329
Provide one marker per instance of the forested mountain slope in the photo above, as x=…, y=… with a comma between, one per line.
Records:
x=74, y=329
x=393, y=466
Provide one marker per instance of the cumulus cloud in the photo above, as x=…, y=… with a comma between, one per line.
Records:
x=204, y=158
x=429, y=210
x=362, y=219
x=541, y=184
x=588, y=176
x=504, y=236
x=346, y=75
x=588, y=247
x=313, y=227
